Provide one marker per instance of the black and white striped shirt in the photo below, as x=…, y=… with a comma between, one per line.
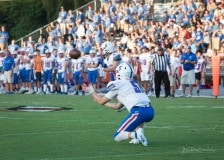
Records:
x=160, y=62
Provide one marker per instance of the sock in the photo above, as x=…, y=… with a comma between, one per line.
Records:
x=121, y=136
x=51, y=88
x=65, y=88
x=62, y=88
x=45, y=88
x=35, y=89
x=133, y=135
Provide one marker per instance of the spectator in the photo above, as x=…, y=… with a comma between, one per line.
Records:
x=80, y=29
x=179, y=17
x=4, y=37
x=111, y=8
x=211, y=7
x=151, y=9
x=71, y=31
x=8, y=69
x=30, y=40
x=80, y=16
x=199, y=40
x=57, y=32
x=62, y=20
x=98, y=36
x=184, y=33
x=89, y=13
x=165, y=17
x=70, y=19
x=41, y=46
x=188, y=59
x=87, y=45
x=13, y=46
x=50, y=29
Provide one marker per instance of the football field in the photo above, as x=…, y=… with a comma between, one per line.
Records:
x=183, y=128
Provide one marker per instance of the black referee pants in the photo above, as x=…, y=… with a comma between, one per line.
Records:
x=159, y=77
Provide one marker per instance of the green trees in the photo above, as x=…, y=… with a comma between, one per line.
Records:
x=24, y=16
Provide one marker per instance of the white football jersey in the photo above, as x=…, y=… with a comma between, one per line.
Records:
x=128, y=93
x=48, y=63
x=1, y=61
x=145, y=61
x=92, y=61
x=28, y=65
x=199, y=66
x=174, y=63
x=61, y=64
x=113, y=57
x=16, y=67
x=78, y=64
x=21, y=64
x=127, y=59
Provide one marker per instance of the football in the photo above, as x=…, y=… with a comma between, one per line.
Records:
x=74, y=53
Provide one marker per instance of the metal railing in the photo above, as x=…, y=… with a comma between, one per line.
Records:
x=42, y=31
x=95, y=3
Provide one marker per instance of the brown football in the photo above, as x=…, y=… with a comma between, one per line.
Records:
x=74, y=53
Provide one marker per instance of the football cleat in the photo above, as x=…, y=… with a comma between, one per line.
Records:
x=134, y=141
x=141, y=137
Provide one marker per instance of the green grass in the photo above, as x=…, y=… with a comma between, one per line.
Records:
x=183, y=128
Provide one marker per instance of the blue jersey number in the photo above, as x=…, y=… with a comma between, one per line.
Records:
x=136, y=87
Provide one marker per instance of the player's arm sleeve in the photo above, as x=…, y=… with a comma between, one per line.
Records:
x=112, y=90
x=117, y=57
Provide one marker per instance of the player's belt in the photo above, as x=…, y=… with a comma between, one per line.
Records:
x=143, y=106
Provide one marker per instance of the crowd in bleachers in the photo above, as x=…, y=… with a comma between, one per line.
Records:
x=132, y=27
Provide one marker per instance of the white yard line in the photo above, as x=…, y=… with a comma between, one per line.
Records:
x=190, y=107
x=103, y=129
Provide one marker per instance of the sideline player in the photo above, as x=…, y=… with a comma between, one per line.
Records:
x=62, y=68
x=136, y=102
x=199, y=70
x=78, y=71
x=112, y=60
x=145, y=62
x=92, y=67
x=48, y=65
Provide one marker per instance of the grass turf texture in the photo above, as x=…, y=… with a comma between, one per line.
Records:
x=183, y=128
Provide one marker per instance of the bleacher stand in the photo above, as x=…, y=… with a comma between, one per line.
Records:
x=136, y=25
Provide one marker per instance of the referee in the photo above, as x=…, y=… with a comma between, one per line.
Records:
x=160, y=63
